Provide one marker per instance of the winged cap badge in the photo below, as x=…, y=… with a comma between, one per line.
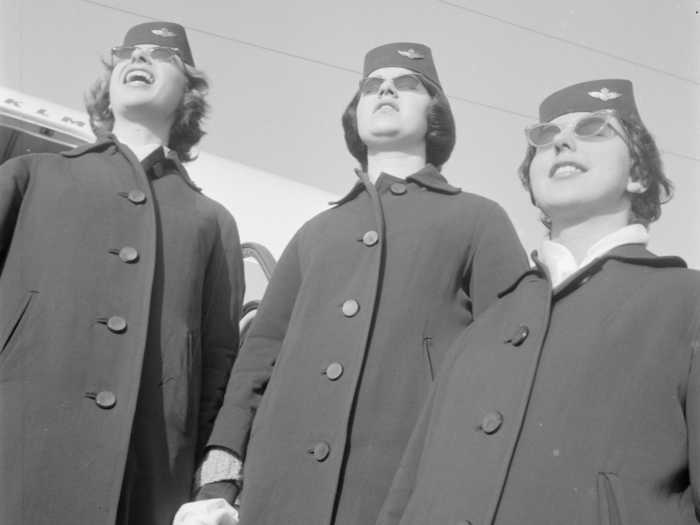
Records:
x=411, y=54
x=165, y=32
x=604, y=94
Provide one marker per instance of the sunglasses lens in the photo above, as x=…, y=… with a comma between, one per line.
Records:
x=592, y=125
x=406, y=82
x=542, y=134
x=123, y=52
x=370, y=85
x=162, y=53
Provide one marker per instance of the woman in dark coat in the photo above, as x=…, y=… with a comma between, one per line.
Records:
x=361, y=309
x=576, y=399
x=120, y=292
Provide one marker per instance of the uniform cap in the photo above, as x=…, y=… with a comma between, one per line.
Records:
x=166, y=34
x=591, y=96
x=415, y=57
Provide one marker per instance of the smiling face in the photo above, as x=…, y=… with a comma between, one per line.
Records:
x=575, y=179
x=142, y=88
x=392, y=117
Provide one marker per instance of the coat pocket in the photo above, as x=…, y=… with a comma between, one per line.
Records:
x=193, y=382
x=181, y=392
x=611, y=509
x=428, y=360
x=13, y=330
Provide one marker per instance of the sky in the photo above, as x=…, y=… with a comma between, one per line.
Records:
x=282, y=73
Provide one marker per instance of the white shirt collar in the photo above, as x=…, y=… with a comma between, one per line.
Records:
x=145, y=150
x=562, y=264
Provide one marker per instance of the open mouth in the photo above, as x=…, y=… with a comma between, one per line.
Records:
x=138, y=76
x=386, y=105
x=566, y=168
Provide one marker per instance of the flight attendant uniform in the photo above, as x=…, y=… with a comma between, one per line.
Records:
x=120, y=295
x=578, y=406
x=352, y=331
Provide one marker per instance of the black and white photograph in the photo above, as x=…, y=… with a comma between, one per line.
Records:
x=385, y=262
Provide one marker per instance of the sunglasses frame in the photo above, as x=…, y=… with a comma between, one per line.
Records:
x=609, y=115
x=363, y=81
x=149, y=53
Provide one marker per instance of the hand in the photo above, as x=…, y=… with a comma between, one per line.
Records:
x=207, y=512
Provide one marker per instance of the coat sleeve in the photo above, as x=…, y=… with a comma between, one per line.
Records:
x=692, y=412
x=14, y=179
x=499, y=258
x=253, y=368
x=224, y=287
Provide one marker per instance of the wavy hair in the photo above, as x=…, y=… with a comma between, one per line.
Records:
x=646, y=167
x=186, y=131
x=439, y=141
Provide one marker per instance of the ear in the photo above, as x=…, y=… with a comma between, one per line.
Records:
x=636, y=186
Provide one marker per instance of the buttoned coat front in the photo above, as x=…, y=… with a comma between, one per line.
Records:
x=578, y=408
x=96, y=412
x=351, y=332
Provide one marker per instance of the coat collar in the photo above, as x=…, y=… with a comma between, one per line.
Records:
x=354, y=192
x=427, y=177
x=111, y=141
x=101, y=145
x=635, y=254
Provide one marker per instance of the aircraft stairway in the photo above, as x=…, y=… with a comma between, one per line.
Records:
x=266, y=261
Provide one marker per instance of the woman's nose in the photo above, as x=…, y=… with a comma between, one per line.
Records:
x=140, y=55
x=565, y=139
x=387, y=88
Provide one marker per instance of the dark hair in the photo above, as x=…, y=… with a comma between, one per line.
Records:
x=646, y=167
x=186, y=131
x=439, y=141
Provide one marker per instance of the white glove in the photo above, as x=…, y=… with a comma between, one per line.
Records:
x=207, y=512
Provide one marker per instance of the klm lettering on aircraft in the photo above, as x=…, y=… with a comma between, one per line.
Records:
x=44, y=112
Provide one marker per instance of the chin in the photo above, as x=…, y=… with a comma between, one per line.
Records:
x=380, y=136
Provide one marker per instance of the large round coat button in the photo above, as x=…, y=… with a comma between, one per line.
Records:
x=398, y=189
x=137, y=197
x=350, y=308
x=321, y=451
x=334, y=371
x=128, y=254
x=116, y=324
x=370, y=238
x=491, y=422
x=105, y=400
x=520, y=334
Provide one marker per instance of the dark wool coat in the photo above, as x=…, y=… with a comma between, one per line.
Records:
x=119, y=304
x=581, y=408
x=360, y=311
